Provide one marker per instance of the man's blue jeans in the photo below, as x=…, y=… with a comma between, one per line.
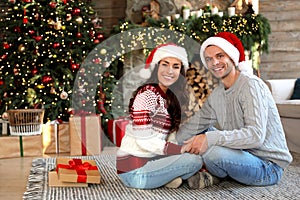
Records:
x=241, y=166
x=158, y=172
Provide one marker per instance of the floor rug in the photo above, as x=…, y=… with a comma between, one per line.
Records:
x=112, y=188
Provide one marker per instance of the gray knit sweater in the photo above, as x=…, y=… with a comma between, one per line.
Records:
x=247, y=117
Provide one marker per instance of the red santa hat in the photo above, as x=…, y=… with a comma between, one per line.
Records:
x=164, y=51
x=232, y=46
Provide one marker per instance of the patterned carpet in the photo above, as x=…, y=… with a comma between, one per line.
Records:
x=112, y=188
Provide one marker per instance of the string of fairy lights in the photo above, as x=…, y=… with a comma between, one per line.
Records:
x=44, y=44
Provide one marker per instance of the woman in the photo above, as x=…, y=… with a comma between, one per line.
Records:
x=146, y=159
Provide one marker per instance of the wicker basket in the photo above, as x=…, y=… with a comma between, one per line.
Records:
x=24, y=122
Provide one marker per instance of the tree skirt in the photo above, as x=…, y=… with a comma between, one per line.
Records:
x=112, y=188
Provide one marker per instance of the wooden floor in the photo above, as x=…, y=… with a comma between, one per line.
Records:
x=14, y=173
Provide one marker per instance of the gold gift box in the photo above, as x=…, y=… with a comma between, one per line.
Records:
x=85, y=135
x=56, y=138
x=77, y=171
x=53, y=181
x=20, y=146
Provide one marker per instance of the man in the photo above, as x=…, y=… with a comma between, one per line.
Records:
x=250, y=145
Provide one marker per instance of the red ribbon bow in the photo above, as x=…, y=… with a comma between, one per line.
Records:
x=76, y=164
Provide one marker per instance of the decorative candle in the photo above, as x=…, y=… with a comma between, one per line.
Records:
x=214, y=10
x=186, y=13
x=175, y=16
x=231, y=11
x=199, y=13
x=168, y=18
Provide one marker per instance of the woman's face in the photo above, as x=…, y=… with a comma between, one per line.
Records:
x=168, y=72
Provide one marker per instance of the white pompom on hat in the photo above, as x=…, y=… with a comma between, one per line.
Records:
x=161, y=52
x=230, y=43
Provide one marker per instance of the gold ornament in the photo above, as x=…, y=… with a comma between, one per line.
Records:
x=21, y=48
x=103, y=51
x=52, y=90
x=40, y=86
x=79, y=20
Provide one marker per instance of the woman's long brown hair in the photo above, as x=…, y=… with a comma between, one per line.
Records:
x=177, y=96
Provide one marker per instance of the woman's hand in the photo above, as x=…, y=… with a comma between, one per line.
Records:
x=196, y=145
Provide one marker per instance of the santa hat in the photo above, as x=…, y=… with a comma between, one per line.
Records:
x=164, y=51
x=232, y=46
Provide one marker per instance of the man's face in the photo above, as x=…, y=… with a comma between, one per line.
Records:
x=218, y=62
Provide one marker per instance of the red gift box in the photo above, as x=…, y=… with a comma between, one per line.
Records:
x=116, y=130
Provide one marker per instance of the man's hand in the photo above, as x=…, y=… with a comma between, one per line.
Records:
x=196, y=145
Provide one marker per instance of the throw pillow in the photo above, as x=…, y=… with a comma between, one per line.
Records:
x=296, y=92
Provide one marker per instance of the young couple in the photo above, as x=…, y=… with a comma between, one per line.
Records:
x=249, y=145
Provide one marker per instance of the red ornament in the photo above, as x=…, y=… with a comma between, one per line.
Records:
x=100, y=106
x=97, y=60
x=78, y=35
x=56, y=45
x=46, y=79
x=4, y=56
x=96, y=41
x=38, y=38
x=91, y=33
x=17, y=29
x=52, y=4
x=71, y=111
x=99, y=36
x=27, y=1
x=6, y=45
x=31, y=32
x=34, y=72
x=75, y=11
x=83, y=102
x=1, y=82
x=25, y=20
x=75, y=66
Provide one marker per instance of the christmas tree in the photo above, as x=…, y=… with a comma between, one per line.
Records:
x=44, y=43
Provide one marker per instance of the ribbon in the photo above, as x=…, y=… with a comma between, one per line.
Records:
x=21, y=146
x=83, y=136
x=76, y=164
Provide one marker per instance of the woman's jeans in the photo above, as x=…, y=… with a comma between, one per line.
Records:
x=159, y=172
x=241, y=166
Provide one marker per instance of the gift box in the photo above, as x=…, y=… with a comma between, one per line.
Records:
x=85, y=135
x=53, y=181
x=77, y=171
x=116, y=130
x=20, y=146
x=56, y=138
x=4, y=127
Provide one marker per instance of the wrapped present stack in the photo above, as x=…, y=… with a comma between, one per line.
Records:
x=74, y=172
x=24, y=135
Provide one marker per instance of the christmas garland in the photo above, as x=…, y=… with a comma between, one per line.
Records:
x=253, y=30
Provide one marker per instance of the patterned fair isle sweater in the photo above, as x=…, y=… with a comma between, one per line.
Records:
x=146, y=135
